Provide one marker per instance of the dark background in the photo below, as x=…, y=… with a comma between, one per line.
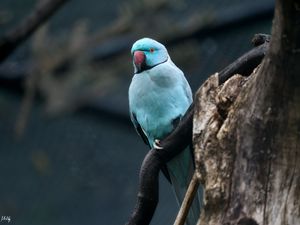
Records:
x=68, y=151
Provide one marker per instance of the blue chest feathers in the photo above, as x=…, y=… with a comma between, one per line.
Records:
x=157, y=98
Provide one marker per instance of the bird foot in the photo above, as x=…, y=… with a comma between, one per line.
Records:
x=157, y=144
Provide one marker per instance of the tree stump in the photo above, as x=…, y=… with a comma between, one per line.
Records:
x=247, y=135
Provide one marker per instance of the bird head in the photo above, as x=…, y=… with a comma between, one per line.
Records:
x=148, y=53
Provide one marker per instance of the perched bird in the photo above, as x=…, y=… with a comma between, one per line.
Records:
x=159, y=95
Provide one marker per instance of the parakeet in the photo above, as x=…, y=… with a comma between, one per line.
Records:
x=159, y=95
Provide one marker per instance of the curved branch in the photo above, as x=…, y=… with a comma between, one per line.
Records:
x=148, y=189
x=147, y=200
x=246, y=63
x=19, y=34
x=178, y=140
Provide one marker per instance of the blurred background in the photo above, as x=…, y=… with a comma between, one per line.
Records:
x=68, y=152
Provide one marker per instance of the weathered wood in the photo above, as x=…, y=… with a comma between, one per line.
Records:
x=247, y=149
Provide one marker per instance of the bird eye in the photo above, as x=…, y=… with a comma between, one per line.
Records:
x=151, y=50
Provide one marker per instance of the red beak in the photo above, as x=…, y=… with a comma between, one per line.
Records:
x=139, y=60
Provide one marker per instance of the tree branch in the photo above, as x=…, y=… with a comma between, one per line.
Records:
x=112, y=47
x=178, y=140
x=245, y=64
x=13, y=38
x=188, y=200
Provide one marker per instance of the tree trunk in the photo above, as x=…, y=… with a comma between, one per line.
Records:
x=247, y=135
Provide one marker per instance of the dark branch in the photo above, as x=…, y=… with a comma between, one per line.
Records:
x=178, y=140
x=246, y=63
x=147, y=200
x=260, y=39
x=112, y=47
x=19, y=34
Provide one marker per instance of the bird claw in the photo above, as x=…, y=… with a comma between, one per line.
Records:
x=157, y=144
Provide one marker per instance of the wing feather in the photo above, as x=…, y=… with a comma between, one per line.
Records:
x=139, y=129
x=143, y=135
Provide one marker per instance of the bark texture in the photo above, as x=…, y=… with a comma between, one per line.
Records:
x=247, y=135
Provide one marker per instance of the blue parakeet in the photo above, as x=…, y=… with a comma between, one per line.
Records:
x=159, y=95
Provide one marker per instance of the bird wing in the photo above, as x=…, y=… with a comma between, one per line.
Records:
x=139, y=129
x=143, y=135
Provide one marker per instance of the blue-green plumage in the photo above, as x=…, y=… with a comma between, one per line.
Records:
x=159, y=95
